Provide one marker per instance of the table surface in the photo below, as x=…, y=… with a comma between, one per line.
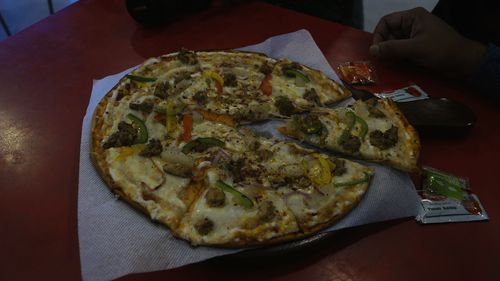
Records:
x=45, y=82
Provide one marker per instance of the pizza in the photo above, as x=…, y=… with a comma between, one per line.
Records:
x=374, y=130
x=168, y=139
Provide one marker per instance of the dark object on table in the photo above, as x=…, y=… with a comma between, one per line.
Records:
x=156, y=12
x=440, y=117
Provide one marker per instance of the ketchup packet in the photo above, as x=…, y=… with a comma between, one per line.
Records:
x=447, y=198
x=410, y=93
x=357, y=72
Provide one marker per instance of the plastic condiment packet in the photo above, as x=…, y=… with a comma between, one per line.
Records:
x=410, y=93
x=447, y=198
x=357, y=72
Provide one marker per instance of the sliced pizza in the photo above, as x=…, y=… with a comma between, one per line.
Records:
x=374, y=130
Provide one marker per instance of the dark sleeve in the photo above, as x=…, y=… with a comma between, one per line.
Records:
x=487, y=76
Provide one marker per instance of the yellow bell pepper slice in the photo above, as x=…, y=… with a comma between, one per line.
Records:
x=320, y=174
x=128, y=151
x=219, y=81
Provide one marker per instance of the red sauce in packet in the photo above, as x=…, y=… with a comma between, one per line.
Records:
x=357, y=72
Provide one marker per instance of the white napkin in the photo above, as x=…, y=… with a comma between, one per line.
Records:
x=116, y=239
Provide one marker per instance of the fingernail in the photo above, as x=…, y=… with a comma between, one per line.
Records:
x=374, y=50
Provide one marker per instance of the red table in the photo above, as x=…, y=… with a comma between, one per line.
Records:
x=46, y=76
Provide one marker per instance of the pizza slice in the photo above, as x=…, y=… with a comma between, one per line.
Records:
x=296, y=88
x=242, y=86
x=260, y=191
x=374, y=130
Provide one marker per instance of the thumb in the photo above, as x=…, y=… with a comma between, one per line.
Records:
x=404, y=48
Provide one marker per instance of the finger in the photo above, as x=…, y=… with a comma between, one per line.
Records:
x=404, y=48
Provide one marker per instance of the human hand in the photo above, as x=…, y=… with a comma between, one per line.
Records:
x=426, y=40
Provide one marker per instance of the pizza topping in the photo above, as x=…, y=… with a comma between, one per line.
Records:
x=187, y=57
x=339, y=168
x=308, y=124
x=177, y=163
x=200, y=97
x=187, y=124
x=125, y=136
x=264, y=154
x=214, y=76
x=350, y=143
x=178, y=169
x=220, y=157
x=354, y=182
x=141, y=79
x=241, y=170
x=201, y=144
x=215, y=197
x=171, y=120
x=153, y=148
x=265, y=69
x=293, y=66
x=347, y=140
x=181, y=76
x=161, y=90
x=142, y=130
x=265, y=86
x=204, y=226
x=240, y=198
x=362, y=123
x=235, y=167
x=285, y=106
x=312, y=96
x=181, y=87
x=386, y=139
x=230, y=80
x=267, y=211
x=319, y=172
x=146, y=106
x=219, y=118
x=373, y=110
x=294, y=70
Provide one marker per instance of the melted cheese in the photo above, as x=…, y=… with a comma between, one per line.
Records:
x=233, y=222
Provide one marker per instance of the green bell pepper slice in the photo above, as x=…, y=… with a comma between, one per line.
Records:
x=352, y=119
x=142, y=130
x=241, y=198
x=140, y=78
x=364, y=126
x=296, y=74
